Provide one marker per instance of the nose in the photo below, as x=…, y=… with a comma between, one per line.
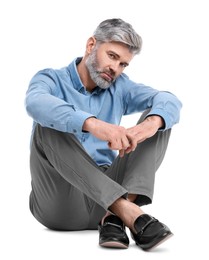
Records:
x=114, y=66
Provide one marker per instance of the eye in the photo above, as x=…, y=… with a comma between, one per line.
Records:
x=124, y=65
x=111, y=56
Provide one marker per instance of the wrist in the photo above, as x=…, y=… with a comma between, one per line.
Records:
x=89, y=124
x=158, y=120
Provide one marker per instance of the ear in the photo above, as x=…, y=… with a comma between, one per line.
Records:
x=91, y=43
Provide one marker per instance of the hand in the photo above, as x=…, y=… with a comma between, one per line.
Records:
x=122, y=139
x=144, y=130
x=116, y=136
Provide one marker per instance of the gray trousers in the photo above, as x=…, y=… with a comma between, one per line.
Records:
x=70, y=192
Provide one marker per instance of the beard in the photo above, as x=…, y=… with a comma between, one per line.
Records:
x=95, y=72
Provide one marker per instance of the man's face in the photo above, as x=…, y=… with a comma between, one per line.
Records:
x=107, y=61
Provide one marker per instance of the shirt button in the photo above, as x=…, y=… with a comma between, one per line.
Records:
x=51, y=125
x=74, y=131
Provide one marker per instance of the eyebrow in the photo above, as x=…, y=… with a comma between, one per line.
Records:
x=118, y=56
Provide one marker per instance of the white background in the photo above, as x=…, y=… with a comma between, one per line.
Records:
x=36, y=34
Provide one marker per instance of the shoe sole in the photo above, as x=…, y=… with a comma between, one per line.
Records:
x=114, y=244
x=157, y=242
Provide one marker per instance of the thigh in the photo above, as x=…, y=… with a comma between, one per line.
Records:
x=65, y=154
x=53, y=201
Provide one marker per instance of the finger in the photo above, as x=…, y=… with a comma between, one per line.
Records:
x=125, y=142
x=116, y=145
x=119, y=144
x=121, y=153
x=129, y=149
x=132, y=145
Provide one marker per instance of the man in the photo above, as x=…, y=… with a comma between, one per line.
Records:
x=78, y=179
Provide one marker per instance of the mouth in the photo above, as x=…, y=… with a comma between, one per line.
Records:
x=106, y=76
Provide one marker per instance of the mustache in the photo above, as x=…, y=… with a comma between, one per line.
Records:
x=108, y=72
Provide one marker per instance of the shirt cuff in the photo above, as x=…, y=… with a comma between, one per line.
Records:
x=76, y=121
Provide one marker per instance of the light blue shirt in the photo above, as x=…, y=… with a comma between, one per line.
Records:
x=57, y=99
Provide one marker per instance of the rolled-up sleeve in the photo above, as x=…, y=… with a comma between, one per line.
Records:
x=47, y=106
x=140, y=97
x=168, y=106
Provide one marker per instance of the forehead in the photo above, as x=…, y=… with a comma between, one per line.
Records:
x=120, y=49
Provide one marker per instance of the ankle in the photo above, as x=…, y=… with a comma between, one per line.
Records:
x=127, y=211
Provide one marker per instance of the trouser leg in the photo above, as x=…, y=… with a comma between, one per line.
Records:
x=66, y=182
x=136, y=171
x=70, y=192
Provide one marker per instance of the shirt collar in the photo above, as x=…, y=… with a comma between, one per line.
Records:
x=77, y=83
x=72, y=68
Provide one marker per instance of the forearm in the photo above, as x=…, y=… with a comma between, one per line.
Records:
x=50, y=111
x=100, y=129
x=157, y=121
x=146, y=129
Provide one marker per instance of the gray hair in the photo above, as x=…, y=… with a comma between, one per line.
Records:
x=117, y=30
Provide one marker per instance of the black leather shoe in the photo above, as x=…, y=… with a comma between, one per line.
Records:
x=150, y=232
x=112, y=233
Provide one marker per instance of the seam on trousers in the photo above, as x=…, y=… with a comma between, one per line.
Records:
x=68, y=166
